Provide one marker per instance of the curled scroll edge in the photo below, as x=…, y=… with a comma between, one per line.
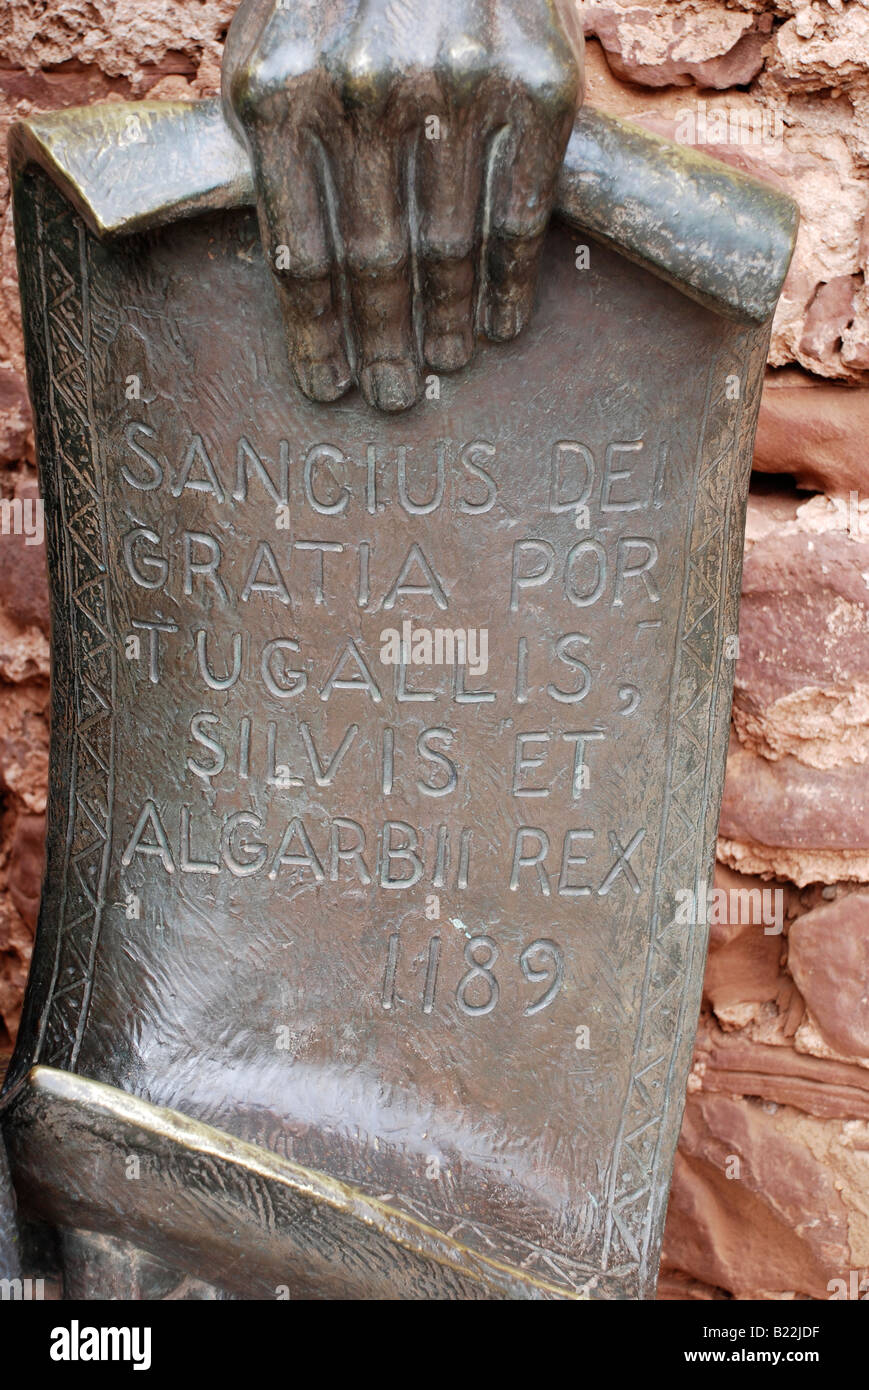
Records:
x=718, y=235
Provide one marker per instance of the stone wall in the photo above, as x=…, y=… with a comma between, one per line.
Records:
x=771, y=1190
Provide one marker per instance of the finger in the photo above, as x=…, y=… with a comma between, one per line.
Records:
x=526, y=161
x=512, y=265
x=377, y=250
x=294, y=230
x=450, y=170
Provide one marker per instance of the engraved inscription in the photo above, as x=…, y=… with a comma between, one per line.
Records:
x=409, y=865
x=209, y=574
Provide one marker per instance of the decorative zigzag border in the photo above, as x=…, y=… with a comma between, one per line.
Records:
x=79, y=479
x=700, y=706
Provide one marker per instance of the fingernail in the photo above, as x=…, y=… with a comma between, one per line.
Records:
x=446, y=352
x=504, y=319
x=389, y=385
x=323, y=381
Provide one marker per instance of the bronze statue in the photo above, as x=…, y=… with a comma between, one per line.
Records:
x=387, y=743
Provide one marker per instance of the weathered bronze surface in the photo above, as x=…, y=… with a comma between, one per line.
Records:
x=397, y=945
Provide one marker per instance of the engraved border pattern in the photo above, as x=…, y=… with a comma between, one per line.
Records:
x=699, y=705
x=62, y=243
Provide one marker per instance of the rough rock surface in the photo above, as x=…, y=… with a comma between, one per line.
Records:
x=680, y=44
x=771, y=1191
x=24, y=669
x=814, y=431
x=138, y=40
x=766, y=1200
x=802, y=679
x=828, y=957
